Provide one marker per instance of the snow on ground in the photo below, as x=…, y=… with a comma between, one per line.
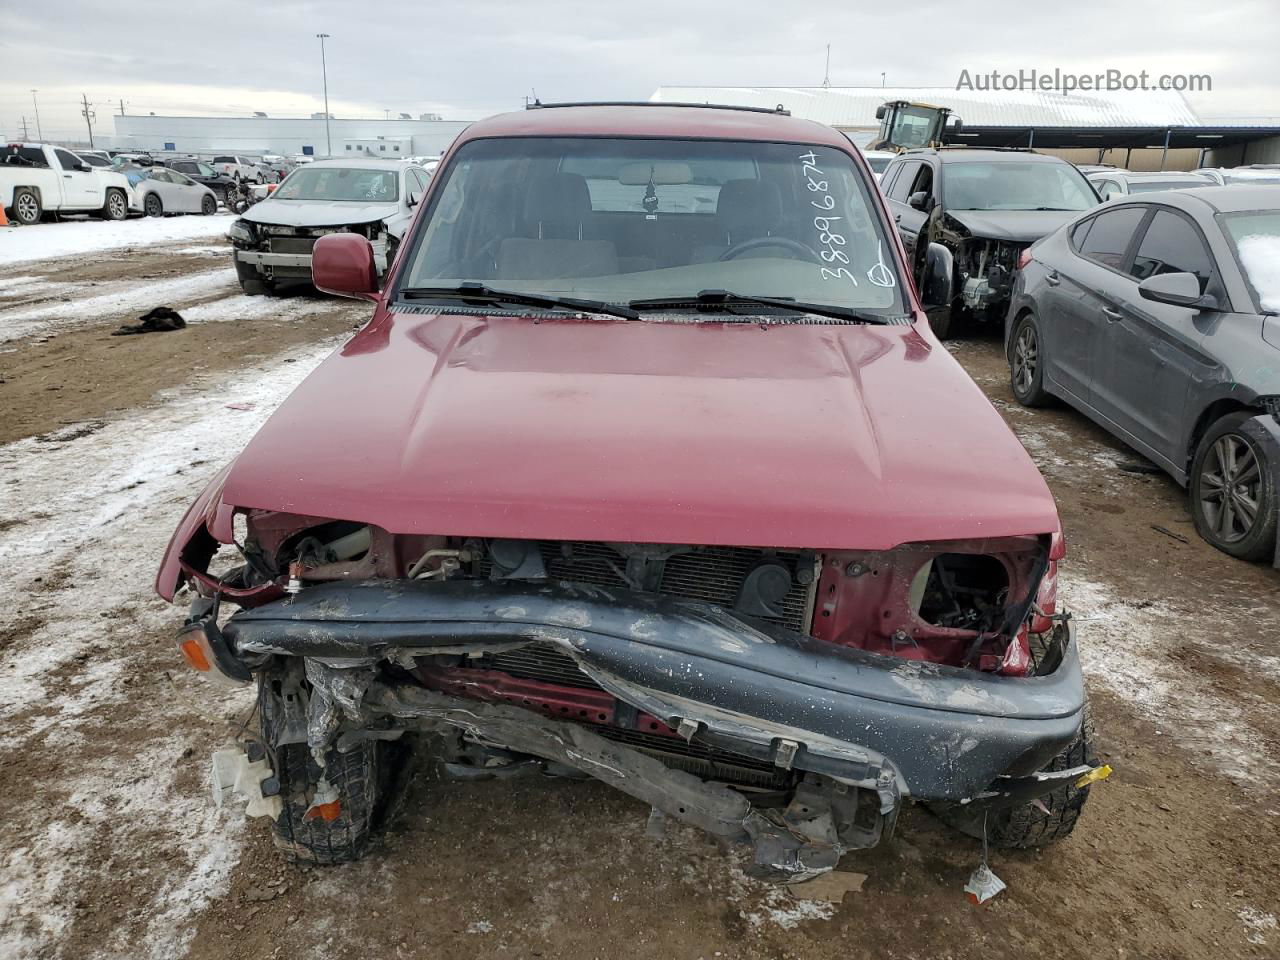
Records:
x=127, y=300
x=241, y=307
x=94, y=511
x=1125, y=645
x=44, y=241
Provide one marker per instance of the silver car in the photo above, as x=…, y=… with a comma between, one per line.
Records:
x=1122, y=183
x=159, y=191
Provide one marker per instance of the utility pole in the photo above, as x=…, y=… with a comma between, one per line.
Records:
x=89, y=117
x=122, y=106
x=324, y=74
x=25, y=136
x=39, y=132
x=881, y=79
x=826, y=76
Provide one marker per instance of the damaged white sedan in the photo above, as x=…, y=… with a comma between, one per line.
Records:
x=372, y=198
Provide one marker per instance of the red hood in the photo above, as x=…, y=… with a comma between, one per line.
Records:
x=786, y=436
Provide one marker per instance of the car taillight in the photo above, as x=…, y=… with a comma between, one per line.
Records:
x=1024, y=258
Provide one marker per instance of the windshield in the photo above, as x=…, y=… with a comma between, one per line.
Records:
x=1251, y=178
x=338, y=183
x=1256, y=236
x=1151, y=186
x=1015, y=185
x=620, y=220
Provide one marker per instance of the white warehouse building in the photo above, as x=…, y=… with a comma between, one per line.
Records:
x=283, y=136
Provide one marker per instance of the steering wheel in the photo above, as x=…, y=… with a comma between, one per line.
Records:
x=798, y=249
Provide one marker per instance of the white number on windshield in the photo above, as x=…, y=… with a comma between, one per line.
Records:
x=830, y=239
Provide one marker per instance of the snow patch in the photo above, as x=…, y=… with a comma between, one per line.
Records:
x=1260, y=255
x=133, y=299
x=1257, y=925
x=1125, y=646
x=44, y=241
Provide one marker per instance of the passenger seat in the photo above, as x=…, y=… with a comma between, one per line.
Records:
x=556, y=216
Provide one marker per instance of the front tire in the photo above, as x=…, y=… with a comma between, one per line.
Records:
x=362, y=778
x=1028, y=826
x=116, y=206
x=1026, y=364
x=152, y=206
x=27, y=209
x=1233, y=493
x=208, y=205
x=251, y=282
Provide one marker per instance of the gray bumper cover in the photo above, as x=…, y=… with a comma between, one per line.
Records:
x=749, y=687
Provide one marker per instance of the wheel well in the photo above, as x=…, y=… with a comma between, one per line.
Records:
x=1208, y=417
x=1013, y=327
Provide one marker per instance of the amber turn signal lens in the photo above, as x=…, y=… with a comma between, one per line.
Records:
x=325, y=811
x=195, y=651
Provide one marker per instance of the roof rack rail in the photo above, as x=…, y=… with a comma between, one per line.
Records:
x=779, y=110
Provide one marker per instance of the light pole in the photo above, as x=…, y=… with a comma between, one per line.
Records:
x=39, y=132
x=324, y=73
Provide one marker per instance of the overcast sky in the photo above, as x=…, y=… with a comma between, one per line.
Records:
x=469, y=58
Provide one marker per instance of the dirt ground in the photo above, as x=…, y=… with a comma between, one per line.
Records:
x=110, y=848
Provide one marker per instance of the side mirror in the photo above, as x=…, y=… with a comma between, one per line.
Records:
x=82, y=167
x=1177, y=290
x=342, y=264
x=880, y=112
x=935, y=281
x=952, y=127
x=413, y=200
x=919, y=201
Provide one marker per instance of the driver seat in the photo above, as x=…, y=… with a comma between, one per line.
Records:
x=745, y=210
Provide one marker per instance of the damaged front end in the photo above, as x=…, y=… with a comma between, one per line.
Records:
x=986, y=270
x=282, y=252
x=788, y=699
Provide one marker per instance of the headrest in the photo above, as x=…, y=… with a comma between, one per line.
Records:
x=559, y=202
x=748, y=209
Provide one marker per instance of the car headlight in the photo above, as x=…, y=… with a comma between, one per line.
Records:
x=241, y=231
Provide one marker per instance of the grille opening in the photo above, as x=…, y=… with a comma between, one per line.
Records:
x=709, y=574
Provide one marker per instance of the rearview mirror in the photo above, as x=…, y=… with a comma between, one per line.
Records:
x=342, y=264
x=919, y=201
x=1177, y=290
x=935, y=281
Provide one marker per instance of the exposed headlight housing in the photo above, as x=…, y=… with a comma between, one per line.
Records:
x=241, y=231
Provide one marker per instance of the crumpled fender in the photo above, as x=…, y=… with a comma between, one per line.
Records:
x=207, y=522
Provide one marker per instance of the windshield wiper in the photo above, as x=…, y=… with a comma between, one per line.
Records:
x=726, y=300
x=479, y=293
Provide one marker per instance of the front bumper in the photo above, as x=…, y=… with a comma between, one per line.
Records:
x=934, y=732
x=262, y=259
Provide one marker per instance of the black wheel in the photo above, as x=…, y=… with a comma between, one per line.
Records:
x=1233, y=491
x=26, y=206
x=361, y=779
x=152, y=206
x=208, y=205
x=1035, y=824
x=1026, y=364
x=116, y=206
x=252, y=282
x=943, y=321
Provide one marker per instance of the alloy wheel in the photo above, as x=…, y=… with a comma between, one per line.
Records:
x=1230, y=488
x=1026, y=358
x=28, y=209
x=115, y=204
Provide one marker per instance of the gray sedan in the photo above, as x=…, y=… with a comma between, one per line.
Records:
x=160, y=191
x=1159, y=317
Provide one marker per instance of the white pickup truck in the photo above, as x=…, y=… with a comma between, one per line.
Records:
x=36, y=178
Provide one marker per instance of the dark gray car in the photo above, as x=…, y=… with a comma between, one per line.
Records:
x=1157, y=317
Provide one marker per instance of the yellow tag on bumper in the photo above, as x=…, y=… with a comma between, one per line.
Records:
x=1094, y=775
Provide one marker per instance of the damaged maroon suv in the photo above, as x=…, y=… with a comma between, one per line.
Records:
x=647, y=468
